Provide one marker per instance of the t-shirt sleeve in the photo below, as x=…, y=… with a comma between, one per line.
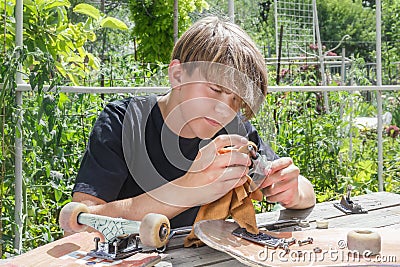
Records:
x=263, y=147
x=103, y=170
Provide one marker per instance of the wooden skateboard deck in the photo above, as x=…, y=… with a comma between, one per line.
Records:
x=332, y=242
x=71, y=251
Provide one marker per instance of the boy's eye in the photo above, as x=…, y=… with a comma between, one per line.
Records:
x=216, y=89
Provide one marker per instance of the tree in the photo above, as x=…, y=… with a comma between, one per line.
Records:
x=338, y=18
x=54, y=48
x=153, y=26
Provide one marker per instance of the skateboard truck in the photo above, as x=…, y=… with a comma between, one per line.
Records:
x=119, y=248
x=122, y=238
x=347, y=205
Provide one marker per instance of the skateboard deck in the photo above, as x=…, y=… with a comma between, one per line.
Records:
x=333, y=251
x=71, y=251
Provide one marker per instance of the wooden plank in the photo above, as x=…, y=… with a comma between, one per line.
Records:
x=195, y=256
x=326, y=210
x=383, y=218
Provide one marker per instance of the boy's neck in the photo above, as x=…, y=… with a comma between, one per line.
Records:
x=172, y=115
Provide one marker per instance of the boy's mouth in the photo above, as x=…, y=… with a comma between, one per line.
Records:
x=212, y=122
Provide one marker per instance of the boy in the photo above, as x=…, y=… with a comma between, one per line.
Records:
x=160, y=154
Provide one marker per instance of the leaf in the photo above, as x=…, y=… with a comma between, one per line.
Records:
x=113, y=23
x=58, y=3
x=73, y=79
x=63, y=98
x=88, y=10
x=57, y=195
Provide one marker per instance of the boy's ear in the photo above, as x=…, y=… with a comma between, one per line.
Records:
x=175, y=73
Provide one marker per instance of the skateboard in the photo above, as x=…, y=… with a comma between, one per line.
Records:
x=310, y=247
x=116, y=242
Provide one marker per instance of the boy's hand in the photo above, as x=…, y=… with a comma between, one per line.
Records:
x=282, y=184
x=212, y=174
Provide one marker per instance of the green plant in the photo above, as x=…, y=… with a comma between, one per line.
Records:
x=153, y=29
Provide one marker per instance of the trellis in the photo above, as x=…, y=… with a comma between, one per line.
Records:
x=294, y=26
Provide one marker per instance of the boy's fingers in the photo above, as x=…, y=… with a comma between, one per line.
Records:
x=280, y=164
x=229, y=140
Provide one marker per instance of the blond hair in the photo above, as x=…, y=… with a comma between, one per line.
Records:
x=214, y=40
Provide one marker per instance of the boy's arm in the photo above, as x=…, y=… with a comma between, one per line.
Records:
x=210, y=177
x=134, y=208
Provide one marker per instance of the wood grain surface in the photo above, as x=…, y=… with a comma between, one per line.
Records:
x=71, y=251
x=332, y=242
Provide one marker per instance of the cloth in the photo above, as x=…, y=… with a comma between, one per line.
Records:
x=236, y=203
x=129, y=152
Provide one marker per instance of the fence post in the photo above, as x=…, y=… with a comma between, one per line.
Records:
x=18, y=137
x=379, y=92
x=231, y=10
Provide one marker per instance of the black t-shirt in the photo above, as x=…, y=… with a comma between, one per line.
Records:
x=132, y=151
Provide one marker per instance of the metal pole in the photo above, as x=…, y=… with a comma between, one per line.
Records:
x=276, y=27
x=18, y=136
x=379, y=93
x=320, y=55
x=176, y=21
x=351, y=119
x=231, y=10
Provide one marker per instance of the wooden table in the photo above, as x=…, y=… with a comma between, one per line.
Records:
x=383, y=211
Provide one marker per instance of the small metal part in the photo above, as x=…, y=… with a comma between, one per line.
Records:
x=253, y=153
x=347, y=205
x=297, y=228
x=260, y=169
x=96, y=243
x=286, y=248
x=309, y=240
x=177, y=232
x=279, y=224
x=260, y=238
x=317, y=250
x=304, y=224
x=291, y=241
x=119, y=248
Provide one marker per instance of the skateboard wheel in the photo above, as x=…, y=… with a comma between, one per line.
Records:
x=69, y=217
x=364, y=240
x=322, y=224
x=154, y=230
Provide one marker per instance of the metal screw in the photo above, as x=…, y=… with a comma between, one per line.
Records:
x=291, y=241
x=297, y=228
x=285, y=247
x=317, y=250
x=306, y=241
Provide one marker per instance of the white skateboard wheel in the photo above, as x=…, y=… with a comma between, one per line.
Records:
x=69, y=217
x=322, y=224
x=363, y=240
x=154, y=230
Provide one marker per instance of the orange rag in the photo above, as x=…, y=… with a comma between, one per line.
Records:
x=236, y=203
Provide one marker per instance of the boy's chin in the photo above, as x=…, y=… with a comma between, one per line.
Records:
x=208, y=135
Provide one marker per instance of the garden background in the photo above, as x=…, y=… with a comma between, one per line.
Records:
x=128, y=43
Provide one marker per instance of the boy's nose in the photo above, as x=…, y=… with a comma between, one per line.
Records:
x=223, y=109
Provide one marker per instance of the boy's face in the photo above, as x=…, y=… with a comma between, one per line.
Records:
x=206, y=107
